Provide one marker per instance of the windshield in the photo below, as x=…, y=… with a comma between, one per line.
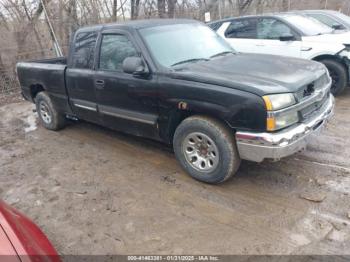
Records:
x=343, y=17
x=309, y=26
x=175, y=44
x=325, y=19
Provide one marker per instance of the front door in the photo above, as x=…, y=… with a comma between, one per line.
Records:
x=126, y=102
x=269, y=32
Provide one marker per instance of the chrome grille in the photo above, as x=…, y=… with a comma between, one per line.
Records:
x=316, y=92
x=322, y=81
x=309, y=89
x=308, y=111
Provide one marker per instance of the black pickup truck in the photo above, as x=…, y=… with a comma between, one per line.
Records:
x=178, y=82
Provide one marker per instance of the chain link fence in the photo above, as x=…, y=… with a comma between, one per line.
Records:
x=8, y=82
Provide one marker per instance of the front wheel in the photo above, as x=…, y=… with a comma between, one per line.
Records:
x=338, y=74
x=206, y=149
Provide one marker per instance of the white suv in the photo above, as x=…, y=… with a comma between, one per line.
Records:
x=291, y=35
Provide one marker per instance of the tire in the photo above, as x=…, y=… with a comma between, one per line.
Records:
x=217, y=145
x=338, y=74
x=48, y=115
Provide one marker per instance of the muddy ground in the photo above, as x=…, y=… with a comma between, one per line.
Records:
x=95, y=191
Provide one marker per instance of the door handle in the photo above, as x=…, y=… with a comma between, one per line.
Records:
x=305, y=48
x=100, y=84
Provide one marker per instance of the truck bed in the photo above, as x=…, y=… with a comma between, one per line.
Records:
x=46, y=74
x=57, y=60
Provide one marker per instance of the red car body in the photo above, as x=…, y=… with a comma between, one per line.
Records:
x=22, y=240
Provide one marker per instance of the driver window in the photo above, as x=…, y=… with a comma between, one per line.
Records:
x=270, y=28
x=114, y=50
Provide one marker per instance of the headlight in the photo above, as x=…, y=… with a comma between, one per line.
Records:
x=276, y=102
x=278, y=122
x=279, y=101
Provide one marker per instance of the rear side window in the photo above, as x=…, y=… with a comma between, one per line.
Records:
x=114, y=50
x=245, y=28
x=215, y=25
x=84, y=50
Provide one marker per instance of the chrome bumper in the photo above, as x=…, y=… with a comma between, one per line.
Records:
x=259, y=146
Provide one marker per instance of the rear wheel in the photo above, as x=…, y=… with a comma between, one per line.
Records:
x=206, y=149
x=49, y=117
x=338, y=74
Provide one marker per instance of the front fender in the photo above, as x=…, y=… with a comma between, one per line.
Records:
x=313, y=49
x=239, y=109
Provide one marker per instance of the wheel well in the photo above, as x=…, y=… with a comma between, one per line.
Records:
x=178, y=116
x=329, y=57
x=336, y=59
x=175, y=119
x=36, y=89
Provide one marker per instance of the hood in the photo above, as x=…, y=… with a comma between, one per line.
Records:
x=336, y=38
x=258, y=74
x=25, y=237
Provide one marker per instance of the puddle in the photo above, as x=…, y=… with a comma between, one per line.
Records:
x=30, y=123
x=330, y=217
x=342, y=185
x=300, y=240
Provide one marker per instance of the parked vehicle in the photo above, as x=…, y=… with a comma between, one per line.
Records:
x=333, y=19
x=291, y=35
x=178, y=82
x=21, y=239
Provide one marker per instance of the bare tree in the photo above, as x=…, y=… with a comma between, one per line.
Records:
x=114, y=10
x=135, y=5
x=285, y=5
x=171, y=8
x=243, y=5
x=161, y=8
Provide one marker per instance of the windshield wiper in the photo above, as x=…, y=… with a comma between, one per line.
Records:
x=222, y=54
x=190, y=61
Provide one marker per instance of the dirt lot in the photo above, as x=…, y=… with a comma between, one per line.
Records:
x=94, y=191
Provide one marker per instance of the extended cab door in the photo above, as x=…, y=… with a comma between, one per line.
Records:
x=126, y=102
x=80, y=76
x=277, y=38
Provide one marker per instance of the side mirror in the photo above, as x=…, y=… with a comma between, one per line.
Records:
x=287, y=37
x=134, y=65
x=337, y=26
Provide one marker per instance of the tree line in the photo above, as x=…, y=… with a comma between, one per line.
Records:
x=25, y=34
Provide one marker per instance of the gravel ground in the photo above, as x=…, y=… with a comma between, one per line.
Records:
x=95, y=191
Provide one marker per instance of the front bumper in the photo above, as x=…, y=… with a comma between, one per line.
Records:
x=259, y=146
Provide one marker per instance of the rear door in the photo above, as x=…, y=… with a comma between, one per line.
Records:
x=126, y=102
x=269, y=31
x=80, y=76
